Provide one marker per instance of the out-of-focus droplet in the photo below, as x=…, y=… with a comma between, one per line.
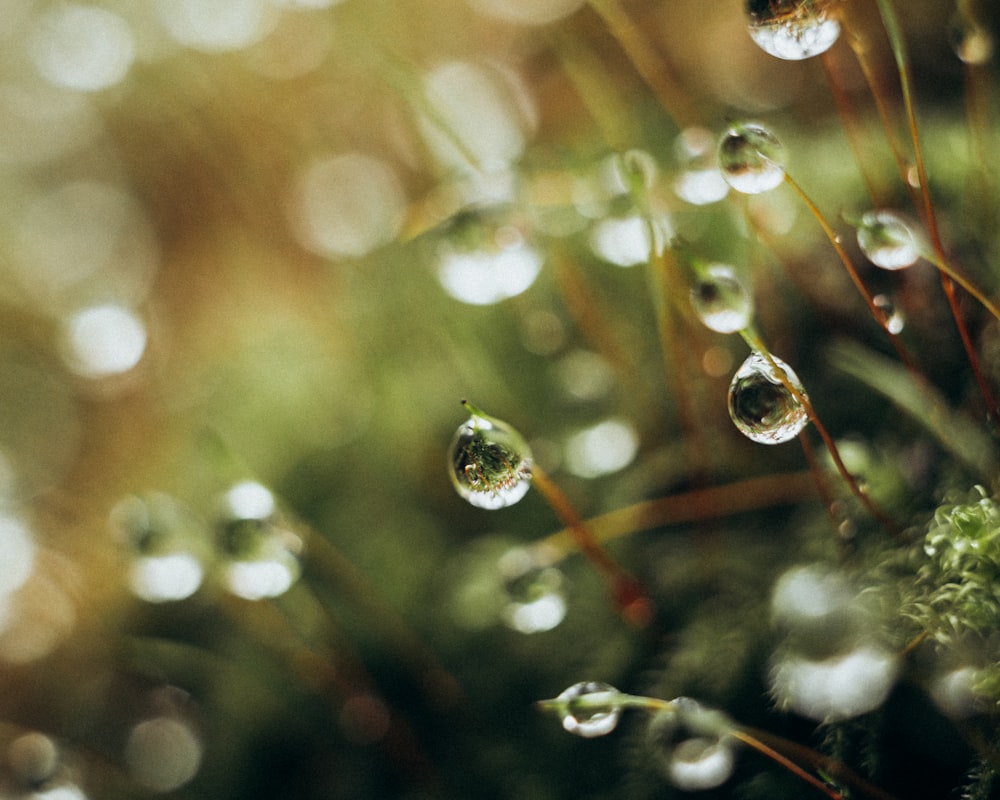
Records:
x=485, y=256
x=722, y=299
x=163, y=753
x=347, y=205
x=214, y=25
x=973, y=43
x=17, y=554
x=489, y=462
x=166, y=541
x=752, y=159
x=83, y=48
x=890, y=239
x=601, y=449
x=33, y=758
x=692, y=745
x=761, y=406
x=836, y=688
x=260, y=552
x=590, y=708
x=954, y=693
x=104, y=340
x=481, y=115
x=700, y=181
x=892, y=317
x=792, y=29
x=536, y=599
x=622, y=241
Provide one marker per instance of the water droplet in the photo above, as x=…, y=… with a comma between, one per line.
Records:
x=166, y=540
x=973, y=43
x=489, y=462
x=761, y=406
x=722, y=300
x=892, y=317
x=590, y=708
x=692, y=745
x=792, y=29
x=260, y=553
x=486, y=255
x=751, y=158
x=700, y=182
x=889, y=239
x=536, y=602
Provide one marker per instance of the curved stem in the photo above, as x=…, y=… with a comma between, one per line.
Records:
x=948, y=275
x=845, y=259
x=756, y=343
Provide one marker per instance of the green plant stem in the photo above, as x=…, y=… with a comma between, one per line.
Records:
x=630, y=597
x=756, y=343
x=948, y=276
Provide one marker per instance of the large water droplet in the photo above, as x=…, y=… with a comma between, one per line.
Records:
x=751, y=158
x=792, y=29
x=489, y=462
x=761, y=406
x=590, y=708
x=722, y=300
x=889, y=239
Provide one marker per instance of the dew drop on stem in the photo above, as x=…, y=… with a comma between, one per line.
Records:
x=722, y=300
x=590, y=709
x=792, y=29
x=489, y=462
x=751, y=158
x=761, y=406
x=889, y=239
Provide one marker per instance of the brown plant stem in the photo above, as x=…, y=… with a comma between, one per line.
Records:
x=697, y=505
x=632, y=600
x=756, y=343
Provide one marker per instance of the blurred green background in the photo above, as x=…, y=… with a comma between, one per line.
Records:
x=254, y=252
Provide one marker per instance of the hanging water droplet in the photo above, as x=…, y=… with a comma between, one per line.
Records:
x=489, y=462
x=700, y=182
x=889, y=239
x=761, y=406
x=973, y=43
x=692, y=745
x=792, y=29
x=535, y=598
x=722, y=300
x=751, y=158
x=590, y=708
x=892, y=317
x=260, y=552
x=486, y=254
